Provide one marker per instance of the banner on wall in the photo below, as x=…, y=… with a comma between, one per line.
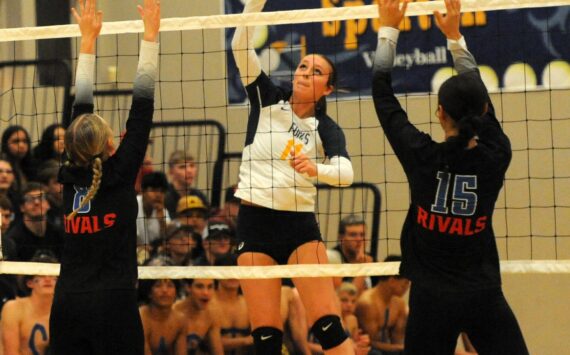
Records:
x=515, y=49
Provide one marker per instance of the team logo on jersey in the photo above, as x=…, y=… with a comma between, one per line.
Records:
x=80, y=193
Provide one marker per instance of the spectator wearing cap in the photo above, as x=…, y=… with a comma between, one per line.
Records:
x=192, y=211
x=183, y=246
x=228, y=213
x=182, y=171
x=152, y=215
x=351, y=249
x=217, y=243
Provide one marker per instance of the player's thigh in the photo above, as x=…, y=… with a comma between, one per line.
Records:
x=493, y=328
x=432, y=327
x=317, y=293
x=263, y=296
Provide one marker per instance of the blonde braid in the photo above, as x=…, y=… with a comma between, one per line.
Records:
x=95, y=183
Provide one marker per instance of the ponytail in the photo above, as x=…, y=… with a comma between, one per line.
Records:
x=95, y=183
x=467, y=127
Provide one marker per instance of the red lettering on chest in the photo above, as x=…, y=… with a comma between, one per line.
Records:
x=88, y=224
x=449, y=224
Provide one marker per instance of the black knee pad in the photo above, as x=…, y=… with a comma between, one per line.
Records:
x=328, y=329
x=267, y=340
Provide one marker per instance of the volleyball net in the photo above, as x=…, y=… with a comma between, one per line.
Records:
x=201, y=108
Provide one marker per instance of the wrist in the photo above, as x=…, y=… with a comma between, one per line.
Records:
x=87, y=46
x=150, y=37
x=454, y=36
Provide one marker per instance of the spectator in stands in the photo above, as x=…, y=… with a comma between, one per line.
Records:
x=183, y=245
x=152, y=215
x=294, y=319
x=351, y=249
x=8, y=185
x=164, y=328
x=6, y=210
x=192, y=211
x=25, y=321
x=16, y=148
x=231, y=309
x=203, y=327
x=8, y=284
x=34, y=232
x=347, y=294
x=147, y=164
x=217, y=243
x=47, y=175
x=382, y=312
x=50, y=146
x=228, y=213
x=182, y=171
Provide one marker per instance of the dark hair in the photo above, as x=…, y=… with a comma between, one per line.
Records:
x=321, y=105
x=47, y=171
x=463, y=97
x=5, y=203
x=44, y=150
x=229, y=259
x=146, y=285
x=390, y=258
x=23, y=168
x=155, y=179
x=32, y=186
x=350, y=220
x=40, y=256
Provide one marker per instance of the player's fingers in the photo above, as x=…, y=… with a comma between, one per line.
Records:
x=75, y=15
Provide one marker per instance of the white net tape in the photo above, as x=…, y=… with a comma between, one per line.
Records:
x=267, y=18
x=288, y=271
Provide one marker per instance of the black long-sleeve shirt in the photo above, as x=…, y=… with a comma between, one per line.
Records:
x=100, y=241
x=447, y=240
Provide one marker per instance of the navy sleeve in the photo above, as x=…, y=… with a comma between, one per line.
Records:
x=406, y=140
x=261, y=93
x=130, y=154
x=332, y=136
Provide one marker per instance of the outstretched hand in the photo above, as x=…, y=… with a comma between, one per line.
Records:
x=90, y=21
x=150, y=14
x=390, y=12
x=449, y=24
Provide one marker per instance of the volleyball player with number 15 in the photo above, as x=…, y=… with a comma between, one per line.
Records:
x=95, y=305
x=448, y=244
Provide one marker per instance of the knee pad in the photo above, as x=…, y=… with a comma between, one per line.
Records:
x=267, y=340
x=328, y=329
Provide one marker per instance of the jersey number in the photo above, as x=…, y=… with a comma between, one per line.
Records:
x=289, y=146
x=464, y=201
x=80, y=193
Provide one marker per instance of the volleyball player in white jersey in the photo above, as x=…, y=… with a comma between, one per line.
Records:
x=286, y=131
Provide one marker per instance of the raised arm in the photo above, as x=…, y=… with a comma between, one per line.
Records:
x=133, y=147
x=402, y=135
x=90, y=21
x=449, y=26
x=243, y=49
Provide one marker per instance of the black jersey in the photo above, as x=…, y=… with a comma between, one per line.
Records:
x=100, y=241
x=447, y=240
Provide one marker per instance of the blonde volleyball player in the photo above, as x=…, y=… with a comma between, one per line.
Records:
x=276, y=222
x=95, y=305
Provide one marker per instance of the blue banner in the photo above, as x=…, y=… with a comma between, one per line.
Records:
x=514, y=47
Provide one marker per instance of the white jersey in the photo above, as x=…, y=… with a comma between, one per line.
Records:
x=266, y=178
